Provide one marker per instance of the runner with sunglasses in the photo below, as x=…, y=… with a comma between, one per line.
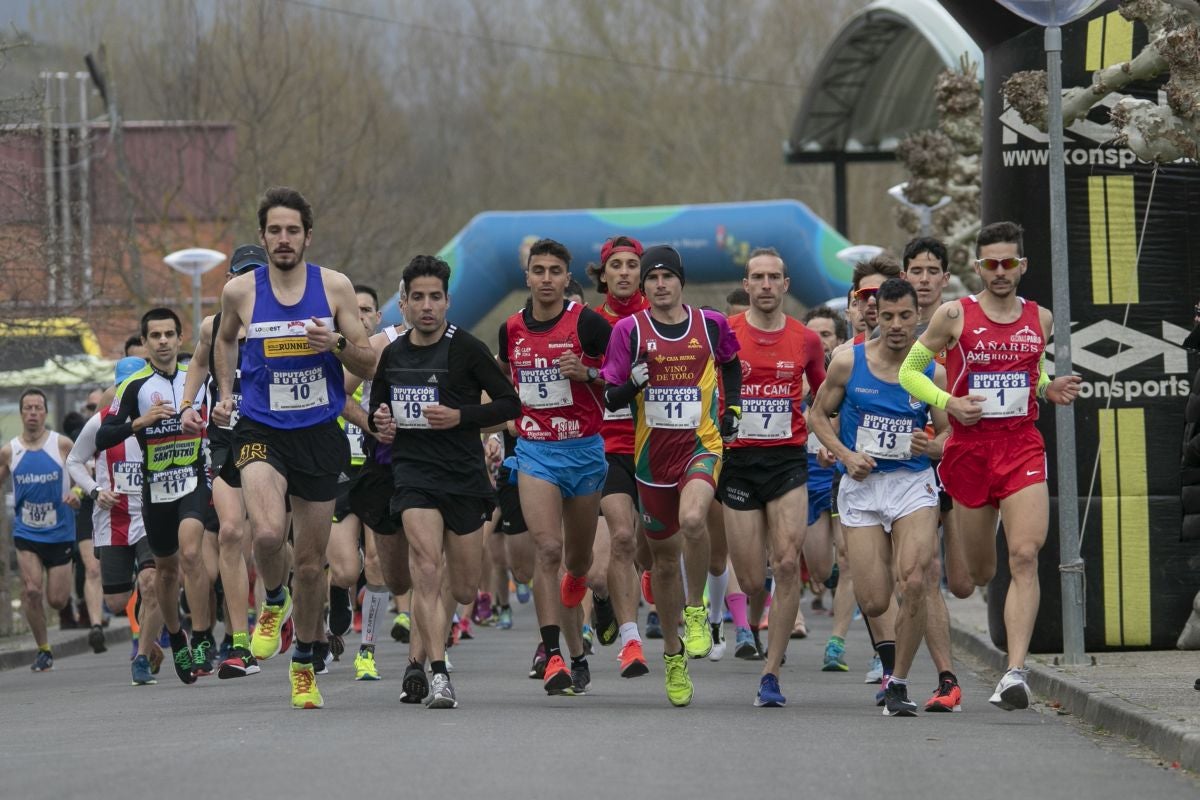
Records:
x=995, y=460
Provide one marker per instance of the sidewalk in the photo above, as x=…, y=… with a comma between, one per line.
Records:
x=18, y=652
x=1142, y=695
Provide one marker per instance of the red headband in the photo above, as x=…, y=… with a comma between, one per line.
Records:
x=610, y=247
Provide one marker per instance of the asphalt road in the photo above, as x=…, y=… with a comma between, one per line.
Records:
x=83, y=731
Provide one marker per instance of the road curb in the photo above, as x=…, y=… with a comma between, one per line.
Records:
x=71, y=646
x=1093, y=705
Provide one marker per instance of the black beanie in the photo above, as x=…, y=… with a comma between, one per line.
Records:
x=662, y=256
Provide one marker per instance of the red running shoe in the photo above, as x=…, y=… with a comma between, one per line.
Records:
x=647, y=589
x=558, y=677
x=947, y=697
x=572, y=590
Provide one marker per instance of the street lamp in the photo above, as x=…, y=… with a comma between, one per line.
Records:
x=1052, y=15
x=924, y=213
x=194, y=261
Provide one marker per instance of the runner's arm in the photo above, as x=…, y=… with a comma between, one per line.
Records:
x=198, y=366
x=827, y=403
x=353, y=413
x=941, y=420
x=476, y=365
x=225, y=346
x=814, y=370
x=357, y=356
x=118, y=426
x=5, y=463
x=381, y=392
x=620, y=388
x=731, y=379
x=83, y=449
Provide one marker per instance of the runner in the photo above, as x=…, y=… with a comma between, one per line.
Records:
x=175, y=493
x=301, y=326
x=887, y=500
x=553, y=348
x=664, y=362
x=763, y=482
x=43, y=517
x=426, y=396
x=995, y=461
x=119, y=535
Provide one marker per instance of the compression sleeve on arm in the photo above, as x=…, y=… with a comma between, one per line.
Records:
x=1043, y=378
x=620, y=395
x=914, y=380
x=731, y=378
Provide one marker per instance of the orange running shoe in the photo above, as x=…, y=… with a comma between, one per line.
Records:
x=572, y=590
x=558, y=677
x=946, y=698
x=647, y=589
x=633, y=662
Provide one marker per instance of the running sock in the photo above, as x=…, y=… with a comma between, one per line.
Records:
x=366, y=648
x=44, y=648
x=887, y=655
x=241, y=640
x=179, y=641
x=202, y=635
x=628, y=632
x=227, y=640
x=579, y=660
x=438, y=667
x=550, y=636
x=375, y=600
x=276, y=596
x=736, y=602
x=717, y=584
x=947, y=676
x=899, y=681
x=838, y=640
x=303, y=652
x=341, y=615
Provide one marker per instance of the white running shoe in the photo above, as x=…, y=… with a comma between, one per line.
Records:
x=875, y=673
x=718, y=637
x=1012, y=692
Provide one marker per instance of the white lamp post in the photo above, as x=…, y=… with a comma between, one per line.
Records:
x=194, y=261
x=923, y=212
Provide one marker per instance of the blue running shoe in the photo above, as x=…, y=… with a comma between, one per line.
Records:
x=653, y=627
x=744, y=646
x=505, y=623
x=835, y=657
x=769, y=695
x=881, y=695
x=142, y=676
x=524, y=593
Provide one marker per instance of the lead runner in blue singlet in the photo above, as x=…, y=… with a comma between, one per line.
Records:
x=301, y=323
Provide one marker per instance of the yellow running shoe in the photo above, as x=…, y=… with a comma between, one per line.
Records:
x=305, y=693
x=364, y=666
x=697, y=638
x=266, y=642
x=679, y=683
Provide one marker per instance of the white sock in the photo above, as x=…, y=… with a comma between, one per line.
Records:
x=629, y=633
x=375, y=603
x=717, y=584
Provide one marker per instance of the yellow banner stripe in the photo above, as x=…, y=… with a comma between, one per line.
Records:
x=1118, y=39
x=1095, y=45
x=1098, y=220
x=1122, y=239
x=1135, y=528
x=1110, y=526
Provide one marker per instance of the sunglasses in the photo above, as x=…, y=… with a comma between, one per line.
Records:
x=993, y=264
x=865, y=293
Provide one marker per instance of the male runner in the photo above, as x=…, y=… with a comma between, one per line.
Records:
x=887, y=500
x=301, y=326
x=664, y=362
x=43, y=517
x=763, y=482
x=995, y=461
x=426, y=396
x=553, y=348
x=175, y=493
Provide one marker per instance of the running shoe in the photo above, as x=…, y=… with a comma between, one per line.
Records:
x=835, y=657
x=718, y=639
x=537, y=670
x=581, y=677
x=449, y=665
x=341, y=611
x=769, y=695
x=96, y=639
x=184, y=665
x=414, y=684
x=321, y=658
x=524, y=593
x=697, y=639
x=401, y=627
x=572, y=590
x=202, y=661
x=455, y=633
x=441, y=693
x=141, y=672
x=557, y=679
x=305, y=693
x=43, y=662
x=875, y=673
x=225, y=649
x=896, y=702
x=946, y=698
x=743, y=645
x=799, y=630
x=267, y=641
x=881, y=694
x=364, y=666
x=156, y=658
x=505, y=622
x=238, y=664
x=653, y=628
x=604, y=620
x=679, y=683
x=589, y=647
x=483, y=609
x=134, y=643
x=464, y=629
x=633, y=661
x=755, y=634
x=337, y=645
x=647, y=588
x=1012, y=693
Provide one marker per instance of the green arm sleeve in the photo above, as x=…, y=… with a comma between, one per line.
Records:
x=1043, y=378
x=916, y=382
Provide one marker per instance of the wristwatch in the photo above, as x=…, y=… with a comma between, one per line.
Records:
x=341, y=343
x=593, y=374
x=94, y=493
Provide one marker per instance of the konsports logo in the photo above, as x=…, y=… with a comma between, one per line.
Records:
x=1092, y=140
x=1130, y=349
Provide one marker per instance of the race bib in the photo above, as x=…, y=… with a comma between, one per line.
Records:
x=543, y=388
x=881, y=436
x=674, y=407
x=127, y=477
x=171, y=484
x=813, y=445
x=298, y=390
x=1006, y=394
x=620, y=413
x=766, y=418
x=408, y=403
x=354, y=435
x=39, y=515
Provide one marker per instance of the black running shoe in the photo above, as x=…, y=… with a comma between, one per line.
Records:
x=96, y=639
x=202, y=660
x=341, y=613
x=896, y=702
x=414, y=684
x=604, y=621
x=182, y=658
x=321, y=658
x=581, y=677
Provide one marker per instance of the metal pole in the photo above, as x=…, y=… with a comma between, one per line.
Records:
x=64, y=184
x=841, y=215
x=196, y=305
x=85, y=205
x=48, y=171
x=1070, y=564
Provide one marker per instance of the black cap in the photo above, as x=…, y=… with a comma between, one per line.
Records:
x=246, y=258
x=662, y=256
